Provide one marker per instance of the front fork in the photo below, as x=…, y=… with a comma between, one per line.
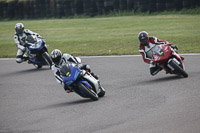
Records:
x=86, y=75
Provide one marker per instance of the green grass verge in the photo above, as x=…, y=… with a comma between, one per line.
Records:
x=108, y=35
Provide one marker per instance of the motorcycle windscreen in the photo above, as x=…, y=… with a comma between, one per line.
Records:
x=69, y=73
x=37, y=46
x=162, y=54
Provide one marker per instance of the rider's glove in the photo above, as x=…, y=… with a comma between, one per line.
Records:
x=173, y=46
x=152, y=61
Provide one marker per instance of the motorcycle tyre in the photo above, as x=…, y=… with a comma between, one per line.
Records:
x=102, y=92
x=47, y=59
x=178, y=69
x=90, y=93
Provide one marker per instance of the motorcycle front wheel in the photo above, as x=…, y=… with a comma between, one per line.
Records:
x=178, y=68
x=88, y=92
x=102, y=92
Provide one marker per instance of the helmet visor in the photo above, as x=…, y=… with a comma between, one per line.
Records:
x=19, y=30
x=56, y=60
x=144, y=42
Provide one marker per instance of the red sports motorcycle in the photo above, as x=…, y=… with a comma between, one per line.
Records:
x=169, y=60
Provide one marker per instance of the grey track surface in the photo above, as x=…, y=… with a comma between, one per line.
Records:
x=135, y=102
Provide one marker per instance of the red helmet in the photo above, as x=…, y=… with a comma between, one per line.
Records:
x=143, y=37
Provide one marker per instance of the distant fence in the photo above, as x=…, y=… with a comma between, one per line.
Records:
x=61, y=8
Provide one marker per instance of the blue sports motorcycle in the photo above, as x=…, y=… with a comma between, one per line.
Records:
x=81, y=82
x=37, y=52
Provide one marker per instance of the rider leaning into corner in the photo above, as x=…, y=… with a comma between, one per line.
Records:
x=60, y=59
x=146, y=49
x=19, y=38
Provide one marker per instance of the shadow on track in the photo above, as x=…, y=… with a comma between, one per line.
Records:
x=65, y=104
x=152, y=81
x=22, y=72
x=164, y=79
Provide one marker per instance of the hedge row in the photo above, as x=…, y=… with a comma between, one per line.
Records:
x=61, y=8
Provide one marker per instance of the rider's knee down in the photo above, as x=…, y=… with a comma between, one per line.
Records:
x=154, y=70
x=19, y=60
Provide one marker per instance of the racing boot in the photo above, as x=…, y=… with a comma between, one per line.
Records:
x=21, y=58
x=154, y=69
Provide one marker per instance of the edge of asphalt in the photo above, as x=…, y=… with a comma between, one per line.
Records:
x=112, y=56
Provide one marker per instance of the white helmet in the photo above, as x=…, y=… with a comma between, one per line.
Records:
x=19, y=28
x=56, y=56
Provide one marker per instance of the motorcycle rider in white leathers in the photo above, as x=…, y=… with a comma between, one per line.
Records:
x=19, y=38
x=60, y=59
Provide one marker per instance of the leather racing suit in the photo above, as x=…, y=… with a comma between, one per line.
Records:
x=147, y=52
x=20, y=42
x=71, y=59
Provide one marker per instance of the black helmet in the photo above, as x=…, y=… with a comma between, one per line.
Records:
x=19, y=28
x=143, y=37
x=56, y=56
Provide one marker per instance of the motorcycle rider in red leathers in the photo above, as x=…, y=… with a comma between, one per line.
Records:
x=146, y=49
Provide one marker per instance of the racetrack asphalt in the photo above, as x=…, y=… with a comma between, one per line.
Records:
x=31, y=101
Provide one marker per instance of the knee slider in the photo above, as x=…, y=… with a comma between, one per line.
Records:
x=18, y=60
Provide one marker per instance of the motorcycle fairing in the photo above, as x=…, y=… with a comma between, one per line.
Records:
x=68, y=80
x=84, y=82
x=35, y=61
x=163, y=54
x=37, y=46
x=179, y=59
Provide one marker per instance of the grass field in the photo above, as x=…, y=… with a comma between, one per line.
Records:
x=106, y=36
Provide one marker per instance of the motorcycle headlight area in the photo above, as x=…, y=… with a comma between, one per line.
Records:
x=36, y=44
x=69, y=82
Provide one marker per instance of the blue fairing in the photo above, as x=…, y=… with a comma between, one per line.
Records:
x=73, y=76
x=84, y=82
x=34, y=50
x=36, y=61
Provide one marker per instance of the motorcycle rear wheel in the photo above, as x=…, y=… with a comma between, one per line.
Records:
x=89, y=92
x=178, y=68
x=47, y=59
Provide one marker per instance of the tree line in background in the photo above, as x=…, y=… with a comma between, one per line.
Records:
x=19, y=9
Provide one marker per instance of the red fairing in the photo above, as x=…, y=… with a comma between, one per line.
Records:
x=179, y=58
x=166, y=51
